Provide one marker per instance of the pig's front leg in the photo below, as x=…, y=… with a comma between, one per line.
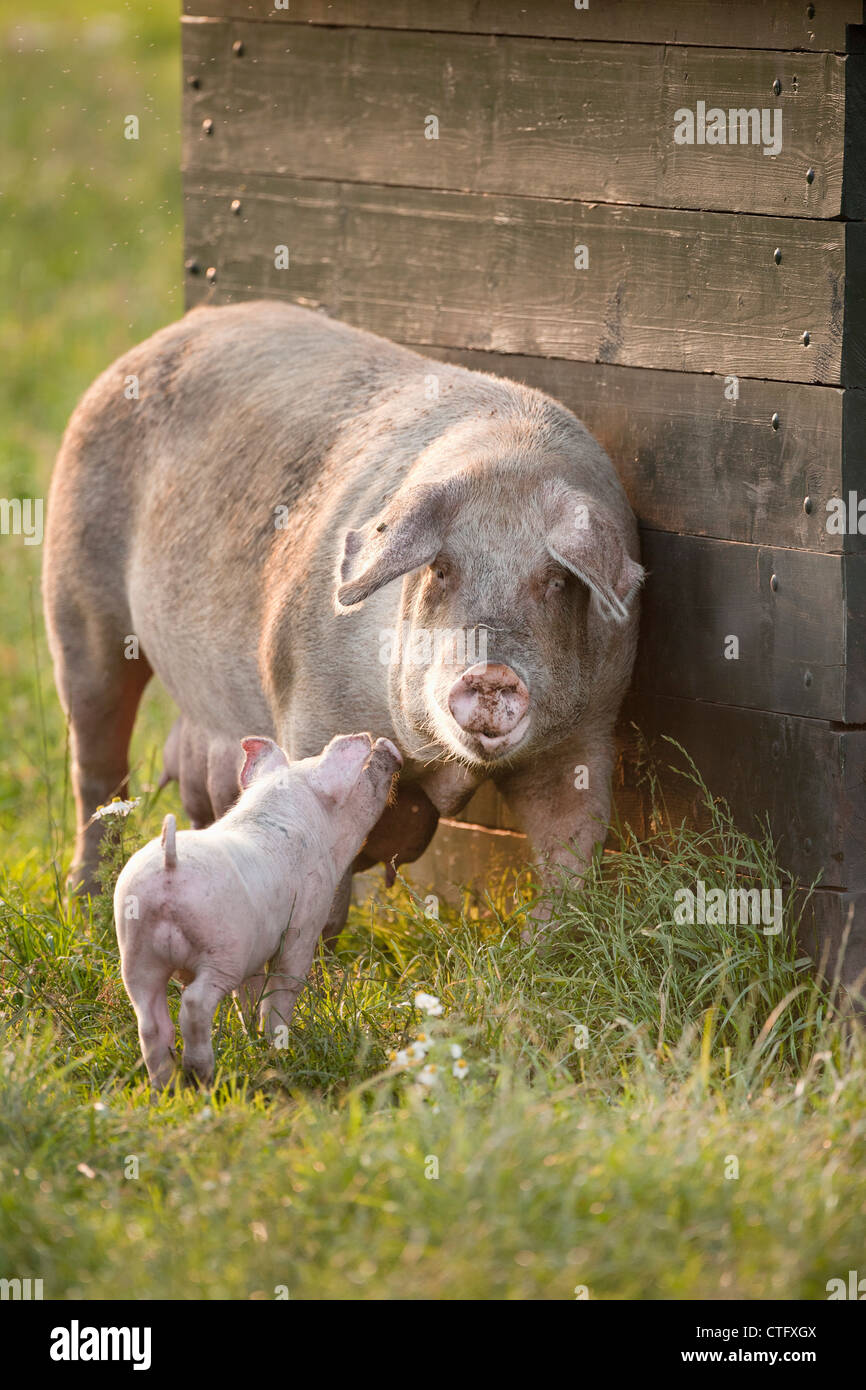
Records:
x=339, y=910
x=562, y=801
x=272, y=997
x=285, y=981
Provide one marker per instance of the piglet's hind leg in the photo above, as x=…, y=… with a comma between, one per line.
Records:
x=197, y=1008
x=155, y=1028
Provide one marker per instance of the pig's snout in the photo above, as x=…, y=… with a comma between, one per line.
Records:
x=388, y=753
x=489, y=700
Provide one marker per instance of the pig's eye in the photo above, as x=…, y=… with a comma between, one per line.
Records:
x=438, y=572
x=555, y=585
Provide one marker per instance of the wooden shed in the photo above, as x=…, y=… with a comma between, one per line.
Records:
x=653, y=210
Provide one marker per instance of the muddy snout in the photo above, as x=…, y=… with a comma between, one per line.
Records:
x=489, y=700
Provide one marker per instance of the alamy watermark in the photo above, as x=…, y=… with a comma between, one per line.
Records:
x=737, y=126
x=846, y=518
x=22, y=516
x=20, y=1289
x=855, y=1287
x=424, y=646
x=77, y=1343
x=733, y=906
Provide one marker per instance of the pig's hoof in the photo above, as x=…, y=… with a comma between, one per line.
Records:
x=202, y=1081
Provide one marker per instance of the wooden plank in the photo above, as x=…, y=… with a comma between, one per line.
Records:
x=488, y=808
x=592, y=121
x=784, y=24
x=833, y=932
x=683, y=291
x=804, y=775
x=794, y=640
x=699, y=454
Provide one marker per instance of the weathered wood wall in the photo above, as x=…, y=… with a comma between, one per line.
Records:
x=715, y=342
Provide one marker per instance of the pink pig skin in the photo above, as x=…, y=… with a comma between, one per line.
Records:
x=212, y=907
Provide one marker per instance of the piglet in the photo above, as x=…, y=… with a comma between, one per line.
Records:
x=212, y=907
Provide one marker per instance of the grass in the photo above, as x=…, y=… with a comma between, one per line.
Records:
x=651, y=1109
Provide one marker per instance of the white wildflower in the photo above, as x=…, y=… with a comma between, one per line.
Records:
x=429, y=1003
x=115, y=808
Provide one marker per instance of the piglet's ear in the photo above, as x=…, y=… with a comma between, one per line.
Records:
x=339, y=766
x=262, y=756
x=584, y=537
x=408, y=534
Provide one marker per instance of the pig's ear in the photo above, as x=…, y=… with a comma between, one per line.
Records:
x=339, y=766
x=586, y=540
x=262, y=756
x=407, y=535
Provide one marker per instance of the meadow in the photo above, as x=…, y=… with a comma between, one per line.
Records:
x=647, y=1109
